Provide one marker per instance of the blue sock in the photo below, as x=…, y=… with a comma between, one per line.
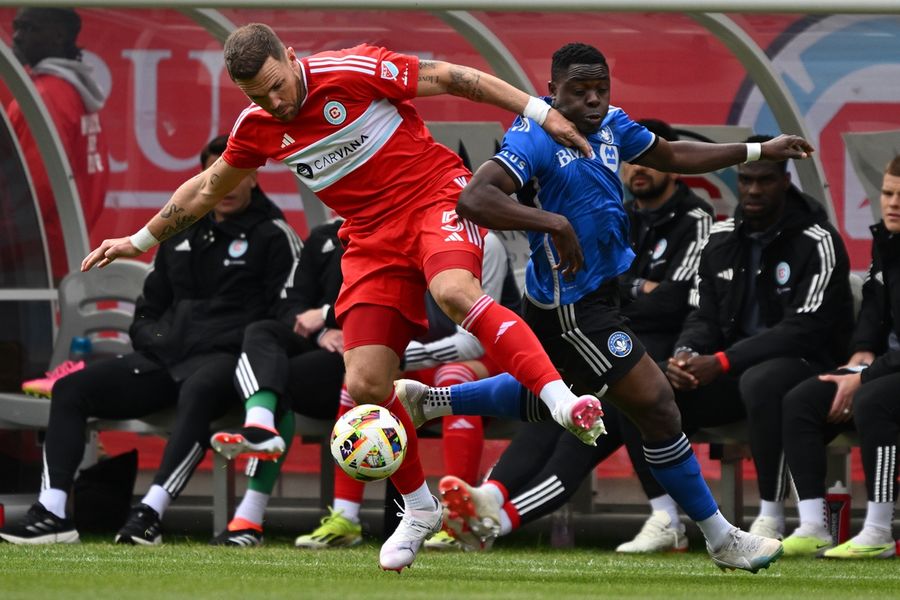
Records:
x=498, y=396
x=675, y=467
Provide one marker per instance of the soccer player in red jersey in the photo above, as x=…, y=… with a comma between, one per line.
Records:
x=344, y=123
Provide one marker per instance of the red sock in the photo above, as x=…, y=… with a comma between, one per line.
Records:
x=345, y=487
x=510, y=343
x=513, y=515
x=410, y=476
x=463, y=436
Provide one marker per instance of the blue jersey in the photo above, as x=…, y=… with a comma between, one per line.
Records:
x=588, y=192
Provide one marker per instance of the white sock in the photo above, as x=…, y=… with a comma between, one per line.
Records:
x=813, y=513
x=158, y=499
x=260, y=416
x=667, y=503
x=505, y=523
x=55, y=501
x=494, y=491
x=775, y=510
x=420, y=499
x=555, y=392
x=437, y=403
x=252, y=507
x=349, y=510
x=715, y=529
x=879, y=515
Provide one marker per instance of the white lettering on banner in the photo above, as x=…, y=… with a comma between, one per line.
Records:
x=146, y=114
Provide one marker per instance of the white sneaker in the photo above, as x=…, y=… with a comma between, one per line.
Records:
x=411, y=394
x=400, y=550
x=768, y=527
x=581, y=416
x=472, y=514
x=657, y=535
x=746, y=551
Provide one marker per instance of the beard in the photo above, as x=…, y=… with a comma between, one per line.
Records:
x=649, y=192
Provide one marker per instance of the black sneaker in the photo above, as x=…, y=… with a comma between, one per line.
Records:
x=243, y=538
x=40, y=526
x=142, y=527
x=249, y=441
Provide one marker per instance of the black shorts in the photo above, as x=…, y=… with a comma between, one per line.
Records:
x=588, y=341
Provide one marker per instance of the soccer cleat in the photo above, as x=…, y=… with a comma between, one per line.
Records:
x=400, y=550
x=43, y=387
x=472, y=514
x=142, y=528
x=40, y=526
x=657, y=535
x=746, y=551
x=251, y=441
x=868, y=543
x=241, y=533
x=412, y=394
x=807, y=540
x=581, y=416
x=768, y=527
x=334, y=531
x=442, y=541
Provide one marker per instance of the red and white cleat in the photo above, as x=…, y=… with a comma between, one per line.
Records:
x=250, y=441
x=472, y=514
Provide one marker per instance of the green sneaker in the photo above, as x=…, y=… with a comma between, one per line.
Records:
x=807, y=541
x=334, y=531
x=442, y=541
x=850, y=549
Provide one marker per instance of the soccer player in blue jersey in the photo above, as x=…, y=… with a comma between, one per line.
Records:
x=578, y=233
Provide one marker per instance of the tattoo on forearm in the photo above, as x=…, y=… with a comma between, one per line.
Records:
x=466, y=83
x=180, y=221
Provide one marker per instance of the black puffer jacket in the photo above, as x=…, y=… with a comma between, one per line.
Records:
x=667, y=244
x=212, y=280
x=879, y=314
x=802, y=288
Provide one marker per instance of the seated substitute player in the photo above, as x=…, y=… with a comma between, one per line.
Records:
x=575, y=311
x=344, y=122
x=774, y=308
x=448, y=360
x=862, y=394
x=206, y=285
x=541, y=469
x=294, y=364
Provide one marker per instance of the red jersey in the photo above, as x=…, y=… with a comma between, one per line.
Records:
x=357, y=141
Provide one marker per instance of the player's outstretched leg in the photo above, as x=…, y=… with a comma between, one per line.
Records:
x=499, y=396
x=510, y=343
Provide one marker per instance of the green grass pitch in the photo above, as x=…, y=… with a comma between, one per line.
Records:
x=196, y=571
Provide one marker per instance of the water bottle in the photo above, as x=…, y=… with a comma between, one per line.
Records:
x=838, y=501
x=561, y=534
x=80, y=348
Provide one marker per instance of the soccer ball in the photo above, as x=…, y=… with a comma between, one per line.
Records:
x=368, y=442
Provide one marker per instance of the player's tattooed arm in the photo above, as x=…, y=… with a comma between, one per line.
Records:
x=176, y=218
x=439, y=77
x=428, y=73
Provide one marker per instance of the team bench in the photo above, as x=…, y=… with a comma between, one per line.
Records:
x=96, y=302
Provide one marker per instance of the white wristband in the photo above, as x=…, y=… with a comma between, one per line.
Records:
x=536, y=110
x=325, y=309
x=143, y=240
x=754, y=151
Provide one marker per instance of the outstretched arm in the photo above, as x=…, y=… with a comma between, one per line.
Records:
x=486, y=201
x=193, y=199
x=438, y=77
x=702, y=157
